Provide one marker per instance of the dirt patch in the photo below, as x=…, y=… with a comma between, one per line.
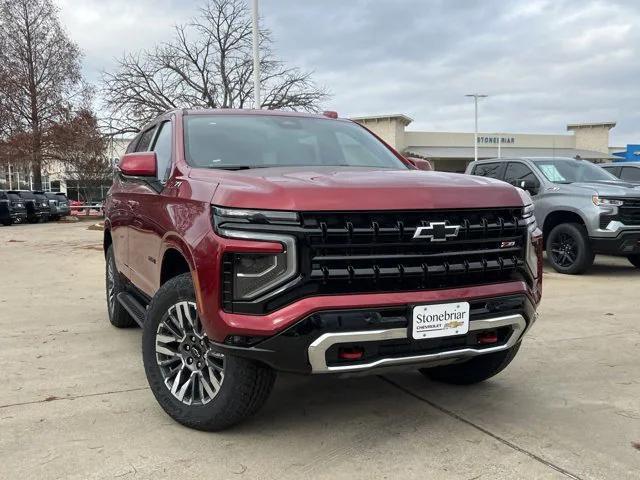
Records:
x=96, y=226
x=16, y=241
x=97, y=246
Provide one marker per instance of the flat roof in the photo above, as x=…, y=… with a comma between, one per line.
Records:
x=467, y=153
x=571, y=126
x=406, y=120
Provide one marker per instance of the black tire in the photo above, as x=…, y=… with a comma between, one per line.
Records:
x=635, y=260
x=569, y=250
x=243, y=390
x=6, y=223
x=476, y=370
x=118, y=316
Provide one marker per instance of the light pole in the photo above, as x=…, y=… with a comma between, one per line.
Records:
x=476, y=96
x=256, y=57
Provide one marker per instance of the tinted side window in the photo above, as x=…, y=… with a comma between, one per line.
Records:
x=145, y=140
x=492, y=170
x=162, y=147
x=132, y=146
x=613, y=171
x=631, y=173
x=517, y=172
x=3, y=196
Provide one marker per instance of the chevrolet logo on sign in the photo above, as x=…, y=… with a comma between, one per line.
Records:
x=436, y=232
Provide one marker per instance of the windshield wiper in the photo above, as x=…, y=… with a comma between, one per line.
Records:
x=242, y=167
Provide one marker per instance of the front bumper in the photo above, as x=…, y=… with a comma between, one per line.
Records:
x=312, y=345
x=627, y=242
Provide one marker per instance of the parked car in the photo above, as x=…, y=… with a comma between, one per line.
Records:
x=58, y=205
x=582, y=209
x=14, y=210
x=42, y=203
x=37, y=208
x=625, y=171
x=5, y=212
x=250, y=242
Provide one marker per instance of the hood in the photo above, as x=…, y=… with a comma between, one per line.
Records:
x=605, y=188
x=355, y=188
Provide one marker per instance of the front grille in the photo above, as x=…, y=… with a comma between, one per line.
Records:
x=364, y=252
x=377, y=251
x=628, y=213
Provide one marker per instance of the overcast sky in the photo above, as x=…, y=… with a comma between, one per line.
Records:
x=543, y=63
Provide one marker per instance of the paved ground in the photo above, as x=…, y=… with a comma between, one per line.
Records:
x=74, y=401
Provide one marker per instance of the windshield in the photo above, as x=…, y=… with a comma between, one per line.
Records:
x=253, y=141
x=13, y=197
x=570, y=171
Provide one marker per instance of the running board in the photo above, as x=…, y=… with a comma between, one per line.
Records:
x=132, y=306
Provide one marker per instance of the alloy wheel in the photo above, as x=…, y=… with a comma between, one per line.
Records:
x=191, y=370
x=564, y=250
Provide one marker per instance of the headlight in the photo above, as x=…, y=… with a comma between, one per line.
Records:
x=528, y=214
x=254, y=274
x=606, y=202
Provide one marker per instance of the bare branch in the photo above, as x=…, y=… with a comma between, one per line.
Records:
x=207, y=63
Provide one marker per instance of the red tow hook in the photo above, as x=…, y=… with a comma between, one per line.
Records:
x=487, y=338
x=350, y=353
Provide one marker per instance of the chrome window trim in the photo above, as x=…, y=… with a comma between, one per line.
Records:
x=318, y=348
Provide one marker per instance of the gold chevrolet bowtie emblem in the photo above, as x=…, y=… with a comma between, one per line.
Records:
x=454, y=324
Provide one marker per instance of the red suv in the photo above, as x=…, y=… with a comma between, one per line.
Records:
x=250, y=242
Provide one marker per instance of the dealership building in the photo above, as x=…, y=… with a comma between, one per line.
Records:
x=452, y=151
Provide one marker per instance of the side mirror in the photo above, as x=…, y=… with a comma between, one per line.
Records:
x=139, y=164
x=529, y=186
x=420, y=163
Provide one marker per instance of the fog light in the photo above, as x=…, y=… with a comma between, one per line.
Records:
x=487, y=338
x=350, y=353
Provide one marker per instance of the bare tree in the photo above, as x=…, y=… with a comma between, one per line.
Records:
x=39, y=74
x=208, y=63
x=79, y=147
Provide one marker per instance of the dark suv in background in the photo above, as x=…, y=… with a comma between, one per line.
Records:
x=13, y=208
x=58, y=205
x=36, y=204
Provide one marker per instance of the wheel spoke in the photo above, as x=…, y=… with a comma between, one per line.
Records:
x=164, y=363
x=176, y=382
x=185, y=386
x=166, y=338
x=166, y=351
x=207, y=386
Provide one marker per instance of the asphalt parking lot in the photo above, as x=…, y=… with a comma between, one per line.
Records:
x=74, y=401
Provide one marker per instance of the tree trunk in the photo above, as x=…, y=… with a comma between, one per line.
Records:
x=36, y=159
